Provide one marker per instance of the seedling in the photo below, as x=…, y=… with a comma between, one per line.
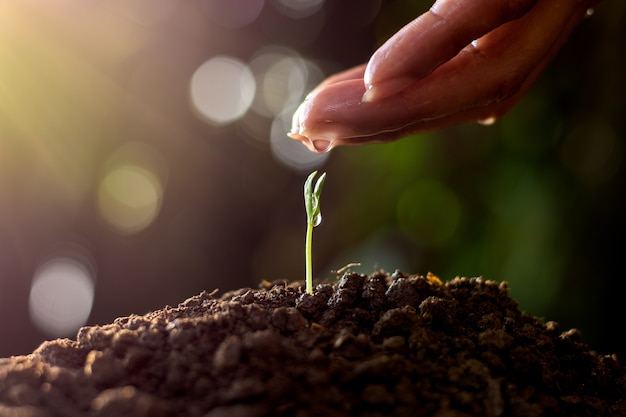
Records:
x=313, y=218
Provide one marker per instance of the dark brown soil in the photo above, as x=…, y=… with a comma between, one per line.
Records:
x=384, y=345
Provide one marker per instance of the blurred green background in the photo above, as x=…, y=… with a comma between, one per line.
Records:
x=143, y=158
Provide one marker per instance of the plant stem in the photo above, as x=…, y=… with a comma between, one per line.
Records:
x=313, y=218
x=308, y=258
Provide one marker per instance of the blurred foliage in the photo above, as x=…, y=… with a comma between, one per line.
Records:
x=535, y=200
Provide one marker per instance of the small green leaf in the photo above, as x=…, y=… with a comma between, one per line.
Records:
x=308, y=195
x=317, y=213
x=312, y=198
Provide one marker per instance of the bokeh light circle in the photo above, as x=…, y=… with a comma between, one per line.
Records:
x=61, y=296
x=129, y=198
x=283, y=78
x=290, y=152
x=222, y=90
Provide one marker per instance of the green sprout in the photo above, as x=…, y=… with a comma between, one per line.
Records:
x=314, y=218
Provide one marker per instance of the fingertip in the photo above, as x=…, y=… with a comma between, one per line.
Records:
x=297, y=118
x=369, y=71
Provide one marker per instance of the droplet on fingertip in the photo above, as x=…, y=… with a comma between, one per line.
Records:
x=317, y=145
x=321, y=145
x=488, y=121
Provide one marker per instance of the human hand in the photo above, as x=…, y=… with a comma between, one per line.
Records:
x=463, y=60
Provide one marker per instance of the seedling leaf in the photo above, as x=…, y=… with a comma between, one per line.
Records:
x=312, y=196
x=314, y=218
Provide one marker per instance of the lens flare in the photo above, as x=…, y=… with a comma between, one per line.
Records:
x=289, y=152
x=61, y=296
x=129, y=198
x=222, y=90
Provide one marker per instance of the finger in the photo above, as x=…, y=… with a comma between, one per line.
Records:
x=433, y=38
x=556, y=26
x=355, y=73
x=318, y=120
x=466, y=82
x=336, y=115
x=476, y=84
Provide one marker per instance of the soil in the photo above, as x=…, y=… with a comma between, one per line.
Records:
x=383, y=345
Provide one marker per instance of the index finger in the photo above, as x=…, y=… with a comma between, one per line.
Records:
x=435, y=37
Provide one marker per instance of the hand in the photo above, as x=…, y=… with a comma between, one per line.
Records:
x=463, y=60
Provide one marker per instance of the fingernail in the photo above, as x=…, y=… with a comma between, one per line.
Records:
x=384, y=89
x=296, y=120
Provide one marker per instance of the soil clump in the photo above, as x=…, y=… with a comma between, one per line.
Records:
x=378, y=345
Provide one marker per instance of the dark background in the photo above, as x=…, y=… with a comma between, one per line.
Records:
x=108, y=172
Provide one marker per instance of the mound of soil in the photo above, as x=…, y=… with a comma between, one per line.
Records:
x=383, y=345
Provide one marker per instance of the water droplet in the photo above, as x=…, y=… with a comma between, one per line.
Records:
x=321, y=145
x=589, y=12
x=488, y=121
x=317, y=220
